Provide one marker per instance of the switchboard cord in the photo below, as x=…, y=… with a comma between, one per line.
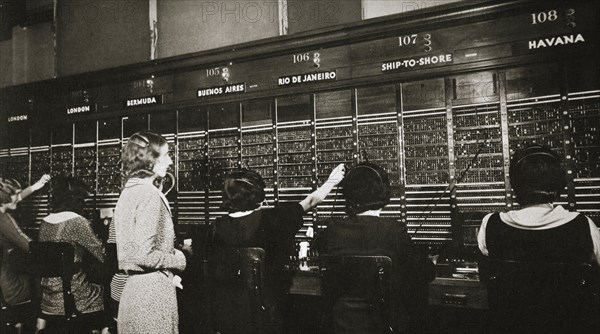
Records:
x=448, y=188
x=363, y=157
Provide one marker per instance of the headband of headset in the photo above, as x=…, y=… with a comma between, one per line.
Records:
x=366, y=167
x=246, y=180
x=361, y=207
x=532, y=150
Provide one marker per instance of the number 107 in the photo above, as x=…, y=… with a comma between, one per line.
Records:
x=407, y=40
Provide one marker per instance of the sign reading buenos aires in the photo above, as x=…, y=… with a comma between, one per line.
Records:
x=306, y=78
x=144, y=101
x=408, y=63
x=222, y=90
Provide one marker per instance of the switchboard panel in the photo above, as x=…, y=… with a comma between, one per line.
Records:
x=336, y=143
x=62, y=160
x=379, y=137
x=426, y=167
x=258, y=143
x=223, y=151
x=296, y=168
x=445, y=143
x=192, y=166
x=40, y=165
x=109, y=162
x=584, y=112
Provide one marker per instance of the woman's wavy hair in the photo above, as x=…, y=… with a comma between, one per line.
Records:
x=68, y=194
x=243, y=190
x=536, y=175
x=366, y=186
x=8, y=188
x=140, y=154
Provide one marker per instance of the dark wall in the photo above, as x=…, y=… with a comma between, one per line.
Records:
x=100, y=34
x=306, y=15
x=186, y=26
x=33, y=53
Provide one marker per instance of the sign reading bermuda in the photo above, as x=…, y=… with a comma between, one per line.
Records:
x=144, y=101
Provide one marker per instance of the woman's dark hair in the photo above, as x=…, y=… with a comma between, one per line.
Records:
x=67, y=194
x=366, y=186
x=536, y=175
x=243, y=190
x=140, y=154
x=8, y=188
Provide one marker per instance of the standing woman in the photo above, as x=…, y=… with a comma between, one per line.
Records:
x=145, y=240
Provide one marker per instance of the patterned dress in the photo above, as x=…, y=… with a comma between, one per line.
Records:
x=16, y=287
x=145, y=249
x=72, y=228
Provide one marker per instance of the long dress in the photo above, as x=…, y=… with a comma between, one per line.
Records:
x=16, y=287
x=70, y=227
x=145, y=250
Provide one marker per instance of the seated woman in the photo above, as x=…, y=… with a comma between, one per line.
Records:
x=15, y=285
x=66, y=224
x=539, y=232
x=366, y=189
x=272, y=229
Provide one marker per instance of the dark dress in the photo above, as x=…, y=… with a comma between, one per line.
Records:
x=272, y=230
x=412, y=270
x=544, y=305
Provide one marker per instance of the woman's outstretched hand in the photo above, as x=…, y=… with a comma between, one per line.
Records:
x=337, y=174
x=41, y=182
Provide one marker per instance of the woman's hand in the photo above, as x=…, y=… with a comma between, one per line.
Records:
x=41, y=182
x=337, y=174
x=317, y=196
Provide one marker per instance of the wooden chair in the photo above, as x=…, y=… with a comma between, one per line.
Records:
x=235, y=284
x=357, y=294
x=542, y=297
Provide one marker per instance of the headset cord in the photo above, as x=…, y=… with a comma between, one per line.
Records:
x=448, y=188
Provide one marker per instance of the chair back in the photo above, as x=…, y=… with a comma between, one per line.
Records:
x=357, y=292
x=542, y=297
x=57, y=259
x=235, y=281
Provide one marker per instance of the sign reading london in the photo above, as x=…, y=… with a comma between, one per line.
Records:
x=17, y=118
x=222, y=90
x=79, y=109
x=144, y=101
x=417, y=62
x=306, y=78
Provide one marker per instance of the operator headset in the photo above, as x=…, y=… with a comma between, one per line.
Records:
x=523, y=155
x=257, y=184
x=363, y=164
x=362, y=167
x=529, y=151
x=143, y=142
